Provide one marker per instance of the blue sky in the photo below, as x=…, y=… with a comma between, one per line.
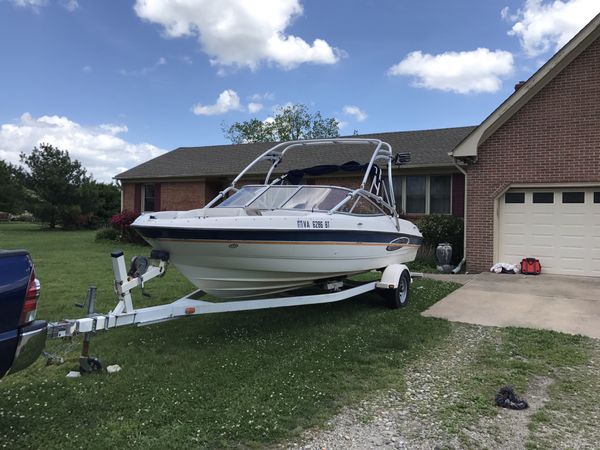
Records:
x=117, y=82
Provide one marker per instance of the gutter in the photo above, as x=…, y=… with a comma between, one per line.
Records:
x=464, y=259
x=192, y=177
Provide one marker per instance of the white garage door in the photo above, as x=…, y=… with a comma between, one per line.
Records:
x=560, y=227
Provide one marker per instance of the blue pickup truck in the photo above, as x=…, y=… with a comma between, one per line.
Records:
x=22, y=338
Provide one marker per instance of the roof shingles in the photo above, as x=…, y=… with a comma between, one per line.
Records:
x=427, y=148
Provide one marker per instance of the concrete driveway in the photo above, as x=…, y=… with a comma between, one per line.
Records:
x=551, y=302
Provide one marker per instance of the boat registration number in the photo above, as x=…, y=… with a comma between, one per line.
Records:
x=312, y=223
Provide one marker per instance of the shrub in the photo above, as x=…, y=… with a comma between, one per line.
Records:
x=438, y=228
x=426, y=254
x=107, y=234
x=122, y=223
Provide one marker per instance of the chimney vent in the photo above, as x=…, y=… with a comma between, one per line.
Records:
x=519, y=85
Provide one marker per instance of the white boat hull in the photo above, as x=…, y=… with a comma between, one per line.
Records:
x=231, y=270
x=237, y=261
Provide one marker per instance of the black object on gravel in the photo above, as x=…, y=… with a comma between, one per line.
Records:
x=506, y=398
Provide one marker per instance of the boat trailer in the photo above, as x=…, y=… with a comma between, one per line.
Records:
x=394, y=283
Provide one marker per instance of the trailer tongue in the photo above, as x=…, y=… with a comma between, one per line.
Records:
x=393, y=285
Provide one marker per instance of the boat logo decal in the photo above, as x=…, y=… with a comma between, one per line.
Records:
x=234, y=245
x=398, y=243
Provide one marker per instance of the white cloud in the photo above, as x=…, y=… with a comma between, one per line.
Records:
x=239, y=32
x=265, y=96
x=144, y=70
x=33, y=4
x=355, y=111
x=99, y=148
x=254, y=107
x=461, y=72
x=228, y=100
x=277, y=108
x=112, y=128
x=341, y=124
x=70, y=5
x=542, y=26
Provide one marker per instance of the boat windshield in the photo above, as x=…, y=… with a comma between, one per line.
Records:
x=241, y=197
x=306, y=198
x=273, y=197
x=316, y=198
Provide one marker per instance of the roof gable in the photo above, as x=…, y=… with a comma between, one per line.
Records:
x=581, y=41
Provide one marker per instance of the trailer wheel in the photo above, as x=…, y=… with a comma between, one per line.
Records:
x=398, y=298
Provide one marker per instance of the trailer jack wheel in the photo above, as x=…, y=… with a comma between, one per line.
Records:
x=89, y=364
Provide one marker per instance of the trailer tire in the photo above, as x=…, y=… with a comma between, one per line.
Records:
x=398, y=297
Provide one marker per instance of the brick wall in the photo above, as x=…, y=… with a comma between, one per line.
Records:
x=181, y=196
x=128, y=196
x=554, y=138
x=212, y=188
x=169, y=196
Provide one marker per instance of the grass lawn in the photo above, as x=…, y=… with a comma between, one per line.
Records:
x=237, y=379
x=518, y=357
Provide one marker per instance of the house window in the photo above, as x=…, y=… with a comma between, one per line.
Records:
x=416, y=194
x=514, y=197
x=148, y=202
x=543, y=197
x=439, y=194
x=423, y=194
x=573, y=197
x=596, y=197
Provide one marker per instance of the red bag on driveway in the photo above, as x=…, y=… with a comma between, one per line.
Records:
x=531, y=266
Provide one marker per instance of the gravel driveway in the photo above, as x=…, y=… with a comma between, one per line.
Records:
x=422, y=416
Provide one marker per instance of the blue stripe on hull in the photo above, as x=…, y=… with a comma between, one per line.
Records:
x=301, y=235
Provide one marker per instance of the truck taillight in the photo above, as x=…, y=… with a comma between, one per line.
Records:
x=31, y=299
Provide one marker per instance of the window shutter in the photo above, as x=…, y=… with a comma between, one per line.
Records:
x=157, y=197
x=137, y=202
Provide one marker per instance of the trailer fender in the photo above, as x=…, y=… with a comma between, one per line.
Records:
x=391, y=276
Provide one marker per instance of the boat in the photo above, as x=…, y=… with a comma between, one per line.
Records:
x=282, y=234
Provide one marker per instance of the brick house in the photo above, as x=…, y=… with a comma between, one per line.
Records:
x=189, y=177
x=533, y=168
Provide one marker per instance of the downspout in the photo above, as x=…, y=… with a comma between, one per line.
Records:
x=120, y=186
x=458, y=268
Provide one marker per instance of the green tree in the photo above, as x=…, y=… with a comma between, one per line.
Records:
x=12, y=191
x=289, y=123
x=109, y=201
x=253, y=130
x=56, y=182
